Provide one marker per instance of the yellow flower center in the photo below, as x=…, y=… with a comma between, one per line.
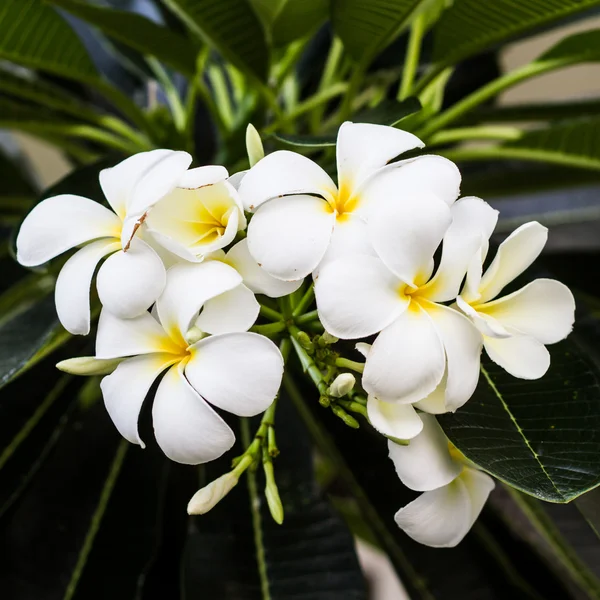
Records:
x=343, y=202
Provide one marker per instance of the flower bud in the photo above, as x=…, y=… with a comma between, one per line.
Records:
x=342, y=385
x=305, y=341
x=254, y=145
x=274, y=502
x=349, y=420
x=329, y=339
x=88, y=365
x=209, y=496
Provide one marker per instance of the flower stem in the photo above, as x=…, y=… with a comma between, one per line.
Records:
x=269, y=313
x=305, y=301
x=413, y=53
x=346, y=363
x=313, y=315
x=270, y=329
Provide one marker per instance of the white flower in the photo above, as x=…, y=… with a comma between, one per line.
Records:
x=201, y=215
x=128, y=282
x=516, y=327
x=234, y=370
x=454, y=492
x=302, y=218
x=343, y=384
x=424, y=346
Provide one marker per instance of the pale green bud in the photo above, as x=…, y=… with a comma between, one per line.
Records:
x=209, y=496
x=254, y=145
x=274, y=502
x=89, y=365
x=342, y=385
x=329, y=339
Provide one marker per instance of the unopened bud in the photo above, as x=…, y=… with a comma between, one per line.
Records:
x=324, y=401
x=89, y=365
x=305, y=341
x=254, y=145
x=349, y=420
x=342, y=385
x=329, y=339
x=274, y=502
x=209, y=496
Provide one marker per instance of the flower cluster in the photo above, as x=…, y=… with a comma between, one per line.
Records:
x=395, y=257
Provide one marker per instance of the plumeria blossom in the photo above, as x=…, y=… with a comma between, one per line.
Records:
x=303, y=220
x=207, y=360
x=454, y=492
x=133, y=276
x=516, y=327
x=426, y=352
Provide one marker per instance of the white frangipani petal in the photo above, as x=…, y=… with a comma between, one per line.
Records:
x=486, y=324
x=72, y=292
x=357, y=296
x=392, y=419
x=406, y=361
x=435, y=403
x=130, y=282
x=235, y=310
x=288, y=236
x=426, y=463
x=520, y=355
x=201, y=176
x=187, y=429
x=126, y=387
x=283, y=173
x=238, y=372
x=60, y=223
x=479, y=485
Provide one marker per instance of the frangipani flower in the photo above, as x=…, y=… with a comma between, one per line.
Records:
x=303, y=219
x=516, y=327
x=201, y=215
x=423, y=344
x=131, y=279
x=454, y=493
x=234, y=370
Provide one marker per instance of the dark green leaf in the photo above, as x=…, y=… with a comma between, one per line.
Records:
x=388, y=112
x=365, y=28
x=138, y=32
x=298, y=18
x=307, y=141
x=232, y=27
x=579, y=47
x=550, y=111
x=470, y=26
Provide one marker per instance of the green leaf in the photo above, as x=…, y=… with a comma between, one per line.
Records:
x=542, y=111
x=365, y=28
x=138, y=32
x=388, y=112
x=469, y=27
x=232, y=27
x=298, y=18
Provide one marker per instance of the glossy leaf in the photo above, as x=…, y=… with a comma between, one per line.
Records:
x=138, y=32
x=298, y=18
x=232, y=27
x=388, y=112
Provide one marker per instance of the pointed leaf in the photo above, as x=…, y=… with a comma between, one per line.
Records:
x=298, y=18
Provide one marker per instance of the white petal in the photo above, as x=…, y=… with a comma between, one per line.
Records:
x=473, y=220
x=435, y=403
x=407, y=360
x=543, y=309
x=238, y=372
x=283, y=173
x=462, y=343
x=479, y=486
x=426, y=463
x=363, y=348
x=62, y=222
x=470, y=291
x=514, y=255
x=357, y=297
x=255, y=277
x=201, y=176
x=186, y=428
x=440, y=518
x=288, y=236
x=126, y=387
x=130, y=282
x=405, y=233
x=235, y=310
x=397, y=420
x=236, y=179
x=363, y=148
x=189, y=287
x=127, y=337
x=72, y=293
x=485, y=324
x=519, y=355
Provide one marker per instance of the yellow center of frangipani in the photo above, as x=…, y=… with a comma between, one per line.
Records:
x=343, y=202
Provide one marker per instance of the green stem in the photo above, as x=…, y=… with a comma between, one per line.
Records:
x=177, y=109
x=223, y=99
x=308, y=364
x=413, y=52
x=270, y=329
x=305, y=301
x=330, y=74
x=355, y=83
x=269, y=313
x=346, y=363
x=487, y=132
x=313, y=315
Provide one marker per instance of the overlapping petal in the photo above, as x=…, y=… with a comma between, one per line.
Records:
x=520, y=355
x=235, y=310
x=400, y=421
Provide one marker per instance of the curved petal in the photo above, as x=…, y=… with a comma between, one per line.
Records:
x=406, y=232
x=485, y=324
x=189, y=287
x=392, y=419
x=426, y=463
x=462, y=343
x=125, y=389
x=236, y=179
x=407, y=360
x=440, y=518
x=543, y=309
x=519, y=355
x=255, y=277
x=62, y=222
x=363, y=148
x=479, y=486
x=514, y=255
x=72, y=292
x=238, y=372
x=435, y=403
x=187, y=429
x=235, y=310
x=357, y=297
x=470, y=290
x=201, y=176
x=288, y=236
x=130, y=282
x=363, y=348
x=127, y=337
x=473, y=221
x=282, y=173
